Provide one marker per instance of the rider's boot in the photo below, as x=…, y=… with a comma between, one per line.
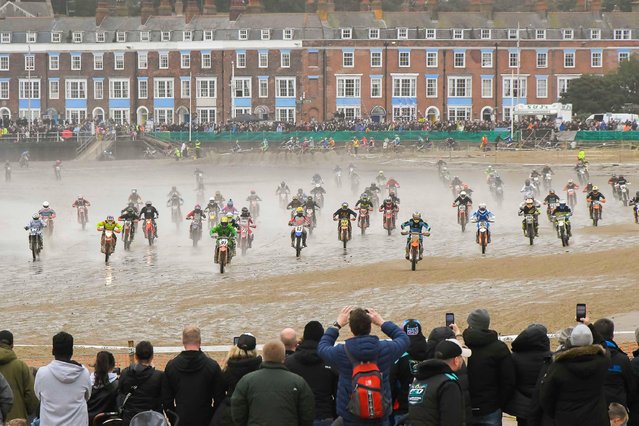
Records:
x=407, y=256
x=421, y=253
x=569, y=228
x=304, y=239
x=292, y=240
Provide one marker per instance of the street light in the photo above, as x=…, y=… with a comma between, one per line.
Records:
x=29, y=92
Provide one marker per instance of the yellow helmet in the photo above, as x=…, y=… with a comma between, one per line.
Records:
x=224, y=220
x=299, y=210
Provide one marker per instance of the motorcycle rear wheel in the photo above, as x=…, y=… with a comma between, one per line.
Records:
x=414, y=253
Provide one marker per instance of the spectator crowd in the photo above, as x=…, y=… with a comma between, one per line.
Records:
x=451, y=378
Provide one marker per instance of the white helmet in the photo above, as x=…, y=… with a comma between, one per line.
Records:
x=36, y=216
x=317, y=185
x=211, y=200
x=482, y=206
x=462, y=194
x=45, y=204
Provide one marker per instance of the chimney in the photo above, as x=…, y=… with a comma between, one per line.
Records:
x=580, y=6
x=146, y=10
x=541, y=6
x=236, y=9
x=364, y=5
x=595, y=6
x=310, y=6
x=324, y=7
x=255, y=6
x=179, y=8
x=487, y=7
x=634, y=4
x=376, y=7
x=165, y=8
x=432, y=8
x=101, y=11
x=209, y=7
x=121, y=9
x=192, y=9
x=420, y=5
x=405, y=7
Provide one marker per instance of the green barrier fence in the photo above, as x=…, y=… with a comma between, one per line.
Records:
x=607, y=136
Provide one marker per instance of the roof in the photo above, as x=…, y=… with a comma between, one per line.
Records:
x=278, y=20
x=407, y=20
x=29, y=9
x=353, y=20
x=575, y=20
x=462, y=20
x=166, y=23
x=518, y=19
x=622, y=19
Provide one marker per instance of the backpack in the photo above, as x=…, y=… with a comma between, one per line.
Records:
x=367, y=398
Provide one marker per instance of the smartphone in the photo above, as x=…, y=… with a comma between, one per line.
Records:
x=450, y=319
x=235, y=340
x=581, y=312
x=116, y=371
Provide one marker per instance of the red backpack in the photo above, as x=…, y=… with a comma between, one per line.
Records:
x=367, y=397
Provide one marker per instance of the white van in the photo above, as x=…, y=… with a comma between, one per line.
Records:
x=619, y=118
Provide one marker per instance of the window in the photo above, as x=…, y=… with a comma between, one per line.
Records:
x=187, y=35
x=486, y=87
x=242, y=87
x=120, y=37
x=206, y=60
x=404, y=59
x=568, y=34
x=431, y=87
x=622, y=35
x=54, y=63
x=515, y=88
x=287, y=34
x=75, y=115
x=76, y=62
x=163, y=59
x=265, y=34
x=263, y=88
x=595, y=58
x=569, y=59
x=120, y=115
x=562, y=84
x=348, y=87
x=164, y=115
x=404, y=113
x=145, y=36
x=459, y=113
x=285, y=114
x=29, y=89
x=98, y=61
x=4, y=90
x=118, y=89
x=4, y=62
x=402, y=33
x=5, y=38
x=405, y=87
x=595, y=34
x=100, y=37
x=119, y=61
x=542, y=59
x=460, y=87
x=185, y=89
x=206, y=115
x=542, y=88
x=240, y=59
x=513, y=59
x=431, y=59
x=143, y=60
x=76, y=89
x=262, y=60
x=285, y=59
x=459, y=59
x=623, y=56
x=242, y=34
x=185, y=60
x=373, y=33
x=376, y=59
x=376, y=87
x=346, y=33
x=143, y=89
x=29, y=62
x=77, y=37
x=540, y=34
x=31, y=37
x=484, y=34
x=54, y=89
x=486, y=59
x=430, y=34
x=285, y=87
x=205, y=88
x=56, y=37
x=348, y=59
x=208, y=35
x=512, y=34
x=350, y=113
x=163, y=88
x=98, y=89
x=458, y=34
x=165, y=35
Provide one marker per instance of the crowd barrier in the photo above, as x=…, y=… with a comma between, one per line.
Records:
x=606, y=135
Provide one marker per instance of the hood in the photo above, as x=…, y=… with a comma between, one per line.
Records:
x=582, y=360
x=363, y=348
x=306, y=353
x=437, y=335
x=418, y=347
x=612, y=346
x=6, y=355
x=66, y=372
x=141, y=372
x=532, y=339
x=431, y=368
x=242, y=366
x=190, y=361
x=475, y=338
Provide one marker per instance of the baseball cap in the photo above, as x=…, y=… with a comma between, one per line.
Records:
x=6, y=337
x=247, y=342
x=451, y=348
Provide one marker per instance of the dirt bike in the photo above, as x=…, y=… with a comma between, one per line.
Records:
x=149, y=231
x=529, y=227
x=344, y=225
x=535, y=183
x=82, y=216
x=389, y=221
x=456, y=190
x=58, y=173
x=48, y=225
x=551, y=208
x=35, y=242
x=572, y=197
x=623, y=194
x=596, y=208
x=222, y=253
x=176, y=215
x=483, y=235
x=7, y=174
x=462, y=216
x=318, y=197
x=298, y=235
x=254, y=208
x=414, y=247
x=561, y=225
x=499, y=194
x=393, y=188
x=127, y=227
x=195, y=230
x=312, y=220
x=283, y=197
x=212, y=217
x=583, y=175
x=364, y=220
x=547, y=181
x=244, y=236
x=107, y=243
x=338, y=179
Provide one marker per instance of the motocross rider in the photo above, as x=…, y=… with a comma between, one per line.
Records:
x=528, y=189
x=37, y=224
x=298, y=219
x=130, y=214
x=294, y=204
x=345, y=213
x=364, y=202
x=571, y=185
x=253, y=196
x=318, y=191
x=547, y=170
x=130, y=206
x=212, y=206
x=468, y=191
x=595, y=195
x=440, y=165
x=219, y=199
x=416, y=224
x=312, y=205
x=534, y=174
x=316, y=179
x=381, y=179
x=150, y=212
x=551, y=198
x=246, y=215
x=197, y=210
x=173, y=192
x=563, y=210
x=109, y=224
x=463, y=199
x=300, y=194
x=229, y=208
x=47, y=211
x=483, y=215
x=227, y=230
x=81, y=202
x=530, y=207
x=135, y=197
x=392, y=184
x=393, y=196
x=456, y=181
x=199, y=179
x=389, y=205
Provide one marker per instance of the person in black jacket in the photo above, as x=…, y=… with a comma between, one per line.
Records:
x=620, y=385
x=634, y=365
x=104, y=386
x=531, y=354
x=490, y=370
x=572, y=390
x=193, y=382
x=320, y=377
x=140, y=385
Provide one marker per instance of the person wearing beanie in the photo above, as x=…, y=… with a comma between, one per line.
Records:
x=20, y=379
x=320, y=377
x=436, y=397
x=572, y=390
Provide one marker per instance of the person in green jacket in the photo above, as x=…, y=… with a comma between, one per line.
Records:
x=20, y=378
x=272, y=395
x=227, y=230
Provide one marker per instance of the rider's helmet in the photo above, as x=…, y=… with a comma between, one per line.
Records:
x=527, y=182
x=252, y=192
x=621, y=177
x=530, y=202
x=197, y=207
x=110, y=219
x=309, y=198
x=229, y=203
x=482, y=207
x=391, y=192
x=465, y=186
x=245, y=210
x=445, y=168
x=317, y=185
x=295, y=197
x=45, y=204
x=388, y=201
x=614, y=175
x=211, y=200
x=299, y=211
x=173, y=188
x=552, y=191
x=364, y=195
x=562, y=203
x=218, y=193
x=283, y=184
x=595, y=188
x=381, y=173
x=344, y=205
x=148, y=204
x=570, y=181
x=462, y=194
x=130, y=210
x=224, y=220
x=134, y=191
x=417, y=216
x=533, y=171
x=58, y=162
x=455, y=177
x=36, y=216
x=80, y=197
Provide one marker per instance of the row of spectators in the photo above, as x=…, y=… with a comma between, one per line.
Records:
x=451, y=378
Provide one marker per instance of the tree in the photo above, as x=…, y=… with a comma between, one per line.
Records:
x=562, y=5
x=288, y=6
x=622, y=5
x=453, y=6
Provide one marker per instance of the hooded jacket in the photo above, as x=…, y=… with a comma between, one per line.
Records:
x=20, y=378
x=103, y=397
x=403, y=371
x=572, y=390
x=634, y=405
x=435, y=398
x=362, y=348
x=147, y=395
x=320, y=377
x=620, y=384
x=193, y=382
x=63, y=387
x=490, y=371
x=236, y=368
x=6, y=399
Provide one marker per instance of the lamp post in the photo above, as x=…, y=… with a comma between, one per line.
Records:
x=29, y=92
x=190, y=106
